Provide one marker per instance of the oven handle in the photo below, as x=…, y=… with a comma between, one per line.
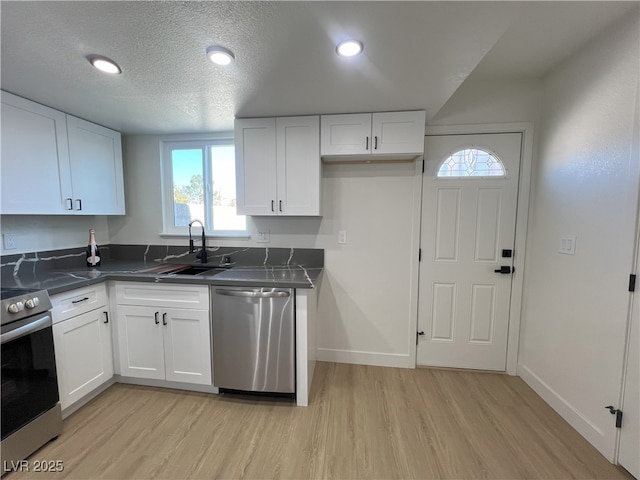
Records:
x=24, y=330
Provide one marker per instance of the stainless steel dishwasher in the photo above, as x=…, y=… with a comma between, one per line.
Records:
x=253, y=339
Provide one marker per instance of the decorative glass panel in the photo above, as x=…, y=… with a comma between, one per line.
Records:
x=472, y=162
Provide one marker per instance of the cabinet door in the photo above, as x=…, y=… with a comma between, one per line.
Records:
x=398, y=132
x=84, y=356
x=95, y=156
x=345, y=134
x=298, y=165
x=35, y=158
x=140, y=342
x=187, y=345
x=255, y=144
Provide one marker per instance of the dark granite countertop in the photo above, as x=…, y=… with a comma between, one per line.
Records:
x=58, y=280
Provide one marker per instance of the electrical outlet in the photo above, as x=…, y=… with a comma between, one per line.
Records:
x=263, y=237
x=9, y=241
x=342, y=237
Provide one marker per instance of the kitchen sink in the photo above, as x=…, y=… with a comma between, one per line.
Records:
x=193, y=270
x=173, y=269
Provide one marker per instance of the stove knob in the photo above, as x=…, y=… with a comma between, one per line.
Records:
x=15, y=307
x=32, y=303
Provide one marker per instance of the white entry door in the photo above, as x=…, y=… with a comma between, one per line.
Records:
x=469, y=203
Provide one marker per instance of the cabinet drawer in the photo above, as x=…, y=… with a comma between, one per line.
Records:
x=76, y=302
x=168, y=295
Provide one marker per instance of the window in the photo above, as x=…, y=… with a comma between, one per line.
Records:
x=472, y=162
x=200, y=183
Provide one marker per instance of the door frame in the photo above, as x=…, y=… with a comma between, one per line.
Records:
x=522, y=221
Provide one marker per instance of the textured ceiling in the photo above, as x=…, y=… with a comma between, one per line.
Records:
x=416, y=55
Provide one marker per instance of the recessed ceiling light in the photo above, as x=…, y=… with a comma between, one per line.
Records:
x=104, y=64
x=349, y=48
x=220, y=55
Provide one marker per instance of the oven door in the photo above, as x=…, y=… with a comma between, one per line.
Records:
x=29, y=383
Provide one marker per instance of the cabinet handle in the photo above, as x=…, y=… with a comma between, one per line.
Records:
x=375, y=144
x=366, y=144
x=79, y=204
x=272, y=203
x=280, y=205
x=69, y=203
x=156, y=316
x=164, y=318
x=106, y=317
x=80, y=301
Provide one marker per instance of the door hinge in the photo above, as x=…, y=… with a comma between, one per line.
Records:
x=419, y=334
x=632, y=282
x=419, y=254
x=617, y=413
x=423, y=165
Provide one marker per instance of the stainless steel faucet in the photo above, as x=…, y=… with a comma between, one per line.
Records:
x=202, y=255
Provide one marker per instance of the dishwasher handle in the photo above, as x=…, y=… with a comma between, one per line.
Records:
x=251, y=293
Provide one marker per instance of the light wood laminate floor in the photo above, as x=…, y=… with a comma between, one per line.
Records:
x=363, y=422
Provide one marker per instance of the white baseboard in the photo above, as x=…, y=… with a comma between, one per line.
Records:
x=594, y=435
x=366, y=358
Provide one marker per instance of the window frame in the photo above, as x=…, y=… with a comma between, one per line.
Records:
x=168, y=214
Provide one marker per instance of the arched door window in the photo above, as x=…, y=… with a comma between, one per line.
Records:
x=471, y=162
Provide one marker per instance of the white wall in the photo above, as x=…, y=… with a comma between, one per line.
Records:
x=585, y=184
x=482, y=100
x=41, y=232
x=367, y=301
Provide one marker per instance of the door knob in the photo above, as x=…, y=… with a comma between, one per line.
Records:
x=505, y=269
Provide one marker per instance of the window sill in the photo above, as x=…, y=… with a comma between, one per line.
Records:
x=234, y=236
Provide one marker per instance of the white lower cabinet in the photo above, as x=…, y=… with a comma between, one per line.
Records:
x=83, y=344
x=167, y=340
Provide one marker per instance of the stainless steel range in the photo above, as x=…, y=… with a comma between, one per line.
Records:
x=31, y=413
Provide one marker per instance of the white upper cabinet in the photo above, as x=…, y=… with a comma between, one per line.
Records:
x=255, y=143
x=278, y=166
x=35, y=158
x=346, y=134
x=95, y=156
x=56, y=164
x=298, y=165
x=385, y=134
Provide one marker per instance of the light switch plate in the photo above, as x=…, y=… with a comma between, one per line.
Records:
x=9, y=240
x=567, y=245
x=263, y=237
x=342, y=237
